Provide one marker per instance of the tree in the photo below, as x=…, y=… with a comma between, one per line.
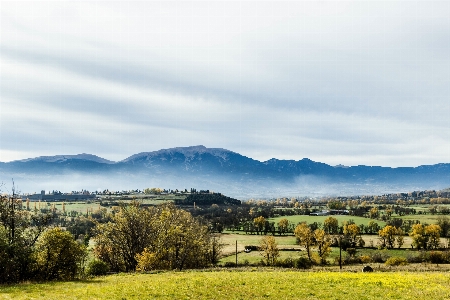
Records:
x=390, y=235
x=372, y=227
x=433, y=233
x=269, y=250
x=323, y=244
x=283, y=226
x=19, y=230
x=444, y=223
x=259, y=223
x=373, y=213
x=419, y=239
x=305, y=238
x=351, y=232
x=331, y=225
x=58, y=255
x=160, y=237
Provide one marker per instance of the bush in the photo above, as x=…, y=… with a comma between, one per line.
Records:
x=437, y=257
x=285, y=263
x=302, y=263
x=380, y=257
x=420, y=258
x=365, y=259
x=229, y=264
x=396, y=261
x=97, y=268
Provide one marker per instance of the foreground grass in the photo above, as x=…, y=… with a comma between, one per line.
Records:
x=247, y=284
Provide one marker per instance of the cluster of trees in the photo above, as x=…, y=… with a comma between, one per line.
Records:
x=207, y=199
x=34, y=247
x=30, y=250
x=158, y=237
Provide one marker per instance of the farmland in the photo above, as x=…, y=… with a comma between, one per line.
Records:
x=319, y=219
x=242, y=284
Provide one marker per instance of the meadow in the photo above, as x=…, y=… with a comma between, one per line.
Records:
x=242, y=284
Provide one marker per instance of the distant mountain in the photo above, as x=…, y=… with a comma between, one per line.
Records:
x=220, y=170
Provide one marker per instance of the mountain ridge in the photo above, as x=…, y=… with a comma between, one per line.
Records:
x=222, y=169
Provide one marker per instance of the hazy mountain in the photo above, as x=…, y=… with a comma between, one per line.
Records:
x=219, y=170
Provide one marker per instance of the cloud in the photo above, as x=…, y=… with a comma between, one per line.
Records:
x=354, y=82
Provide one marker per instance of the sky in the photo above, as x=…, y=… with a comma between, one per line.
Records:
x=339, y=82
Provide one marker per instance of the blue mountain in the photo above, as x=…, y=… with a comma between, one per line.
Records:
x=221, y=170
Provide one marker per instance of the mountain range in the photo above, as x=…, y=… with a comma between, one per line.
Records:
x=220, y=170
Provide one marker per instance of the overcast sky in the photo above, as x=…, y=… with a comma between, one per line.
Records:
x=340, y=82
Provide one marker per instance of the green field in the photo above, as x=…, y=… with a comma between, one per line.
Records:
x=319, y=219
x=246, y=284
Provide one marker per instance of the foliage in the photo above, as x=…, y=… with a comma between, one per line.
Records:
x=269, y=250
x=396, y=261
x=391, y=236
x=323, y=245
x=283, y=226
x=161, y=237
x=305, y=238
x=433, y=232
x=19, y=230
x=207, y=199
x=97, y=268
x=331, y=225
x=58, y=256
x=417, y=234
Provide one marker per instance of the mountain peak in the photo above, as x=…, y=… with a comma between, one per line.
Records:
x=63, y=158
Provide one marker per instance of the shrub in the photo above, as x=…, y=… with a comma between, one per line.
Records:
x=436, y=257
x=229, y=264
x=380, y=257
x=396, y=261
x=97, y=268
x=285, y=263
x=421, y=257
x=302, y=263
x=365, y=259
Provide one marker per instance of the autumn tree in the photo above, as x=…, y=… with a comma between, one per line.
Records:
x=331, y=225
x=283, y=226
x=352, y=234
x=390, y=236
x=259, y=223
x=433, y=233
x=323, y=244
x=305, y=238
x=269, y=250
x=417, y=234
x=160, y=237
x=374, y=213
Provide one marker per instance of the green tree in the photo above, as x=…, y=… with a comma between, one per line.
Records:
x=269, y=250
x=58, y=255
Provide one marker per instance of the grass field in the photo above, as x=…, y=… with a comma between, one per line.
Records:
x=244, y=284
x=311, y=219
